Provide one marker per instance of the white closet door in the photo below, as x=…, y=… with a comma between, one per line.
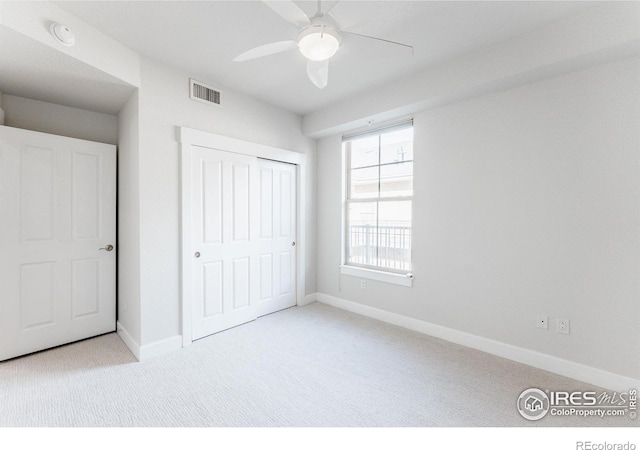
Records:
x=277, y=242
x=57, y=276
x=224, y=233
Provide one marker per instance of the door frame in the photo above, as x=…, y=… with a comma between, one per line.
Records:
x=189, y=137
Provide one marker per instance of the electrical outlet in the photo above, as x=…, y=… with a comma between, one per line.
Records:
x=363, y=284
x=562, y=326
x=543, y=322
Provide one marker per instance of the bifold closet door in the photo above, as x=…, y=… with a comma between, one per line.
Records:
x=57, y=240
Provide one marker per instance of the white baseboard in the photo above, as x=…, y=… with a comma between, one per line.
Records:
x=532, y=358
x=161, y=347
x=147, y=351
x=307, y=299
x=128, y=340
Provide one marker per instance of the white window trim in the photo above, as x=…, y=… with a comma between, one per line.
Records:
x=378, y=275
x=400, y=279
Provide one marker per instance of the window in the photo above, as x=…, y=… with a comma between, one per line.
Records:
x=379, y=192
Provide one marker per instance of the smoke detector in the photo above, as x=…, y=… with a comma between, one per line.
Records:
x=63, y=34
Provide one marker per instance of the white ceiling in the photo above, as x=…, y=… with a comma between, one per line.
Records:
x=32, y=70
x=202, y=38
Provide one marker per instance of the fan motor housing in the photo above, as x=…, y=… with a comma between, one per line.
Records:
x=319, y=41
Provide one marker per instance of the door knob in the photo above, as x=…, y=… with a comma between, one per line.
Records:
x=107, y=248
x=197, y=254
x=293, y=244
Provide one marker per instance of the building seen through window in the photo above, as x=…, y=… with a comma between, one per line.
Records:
x=379, y=199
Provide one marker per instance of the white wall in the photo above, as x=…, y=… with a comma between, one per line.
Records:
x=527, y=202
x=61, y=120
x=606, y=33
x=92, y=47
x=148, y=166
x=1, y=111
x=129, y=312
x=165, y=105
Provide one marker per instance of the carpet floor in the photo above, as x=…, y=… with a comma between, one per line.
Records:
x=305, y=366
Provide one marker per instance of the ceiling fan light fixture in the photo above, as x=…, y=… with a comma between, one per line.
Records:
x=318, y=42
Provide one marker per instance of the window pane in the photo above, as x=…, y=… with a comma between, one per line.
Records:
x=364, y=152
x=394, y=235
x=364, y=183
x=397, y=146
x=396, y=180
x=379, y=233
x=363, y=236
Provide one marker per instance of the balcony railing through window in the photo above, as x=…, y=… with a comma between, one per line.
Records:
x=388, y=245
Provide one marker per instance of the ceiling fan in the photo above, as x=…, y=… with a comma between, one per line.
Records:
x=318, y=39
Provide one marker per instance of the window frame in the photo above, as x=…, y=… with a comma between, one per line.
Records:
x=380, y=273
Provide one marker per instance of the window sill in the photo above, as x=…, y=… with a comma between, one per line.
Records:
x=377, y=275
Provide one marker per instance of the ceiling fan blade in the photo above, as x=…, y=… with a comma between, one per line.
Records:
x=266, y=50
x=347, y=14
x=289, y=11
x=331, y=6
x=374, y=47
x=318, y=72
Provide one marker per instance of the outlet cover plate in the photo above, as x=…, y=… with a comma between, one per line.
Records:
x=562, y=326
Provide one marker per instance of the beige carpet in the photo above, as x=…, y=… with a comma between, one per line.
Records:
x=305, y=366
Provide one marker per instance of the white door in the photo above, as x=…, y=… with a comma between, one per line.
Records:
x=243, y=228
x=224, y=231
x=57, y=232
x=277, y=241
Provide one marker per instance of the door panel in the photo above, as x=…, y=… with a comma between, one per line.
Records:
x=85, y=212
x=286, y=203
x=277, y=245
x=213, y=277
x=212, y=202
x=57, y=197
x=240, y=201
x=266, y=203
x=37, y=292
x=240, y=283
x=285, y=272
x=266, y=276
x=85, y=295
x=37, y=193
x=225, y=260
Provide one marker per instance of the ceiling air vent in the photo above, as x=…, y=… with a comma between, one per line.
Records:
x=203, y=93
